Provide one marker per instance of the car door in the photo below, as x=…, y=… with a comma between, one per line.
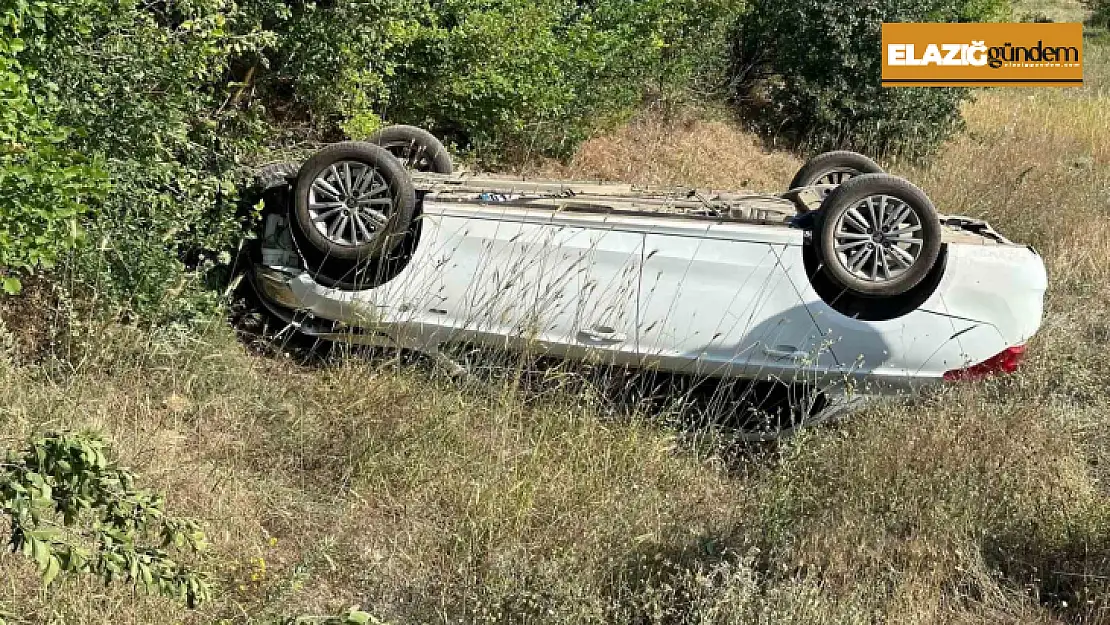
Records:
x=598, y=268
x=525, y=278
x=717, y=303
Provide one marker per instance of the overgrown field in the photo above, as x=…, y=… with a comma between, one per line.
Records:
x=368, y=483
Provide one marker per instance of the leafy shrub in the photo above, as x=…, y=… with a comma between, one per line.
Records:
x=812, y=71
x=498, y=75
x=58, y=482
x=327, y=63
x=146, y=95
x=44, y=185
x=1100, y=12
x=515, y=76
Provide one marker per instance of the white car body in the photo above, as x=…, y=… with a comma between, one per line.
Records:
x=601, y=277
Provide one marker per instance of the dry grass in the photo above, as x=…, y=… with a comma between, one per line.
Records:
x=1056, y=10
x=423, y=501
x=680, y=149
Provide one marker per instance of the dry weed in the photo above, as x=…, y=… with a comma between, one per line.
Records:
x=680, y=149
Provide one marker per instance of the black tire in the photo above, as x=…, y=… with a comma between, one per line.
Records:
x=417, y=148
x=877, y=247
x=378, y=241
x=275, y=175
x=838, y=167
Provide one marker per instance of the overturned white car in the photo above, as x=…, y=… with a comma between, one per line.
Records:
x=848, y=283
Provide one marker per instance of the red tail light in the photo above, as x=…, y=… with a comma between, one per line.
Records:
x=1006, y=362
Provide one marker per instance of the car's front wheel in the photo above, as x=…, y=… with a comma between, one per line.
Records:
x=877, y=235
x=353, y=201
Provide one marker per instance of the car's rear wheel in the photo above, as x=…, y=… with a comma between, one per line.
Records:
x=417, y=148
x=834, y=168
x=353, y=201
x=877, y=235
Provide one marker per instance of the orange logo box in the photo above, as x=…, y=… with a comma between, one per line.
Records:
x=982, y=55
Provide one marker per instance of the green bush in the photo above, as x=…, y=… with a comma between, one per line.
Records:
x=810, y=72
x=327, y=63
x=1100, y=12
x=497, y=76
x=144, y=88
x=44, y=186
x=72, y=510
x=516, y=77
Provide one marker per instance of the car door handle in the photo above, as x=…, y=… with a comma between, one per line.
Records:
x=601, y=335
x=785, y=351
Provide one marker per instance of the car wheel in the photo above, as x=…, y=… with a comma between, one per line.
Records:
x=834, y=168
x=417, y=148
x=275, y=175
x=877, y=235
x=353, y=201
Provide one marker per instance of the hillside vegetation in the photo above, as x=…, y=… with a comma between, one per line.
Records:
x=131, y=125
x=373, y=483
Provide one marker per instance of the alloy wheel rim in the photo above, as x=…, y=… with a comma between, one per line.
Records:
x=837, y=176
x=350, y=202
x=412, y=155
x=879, y=239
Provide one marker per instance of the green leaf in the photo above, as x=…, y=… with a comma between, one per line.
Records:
x=48, y=533
x=12, y=286
x=147, y=576
x=53, y=567
x=40, y=551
